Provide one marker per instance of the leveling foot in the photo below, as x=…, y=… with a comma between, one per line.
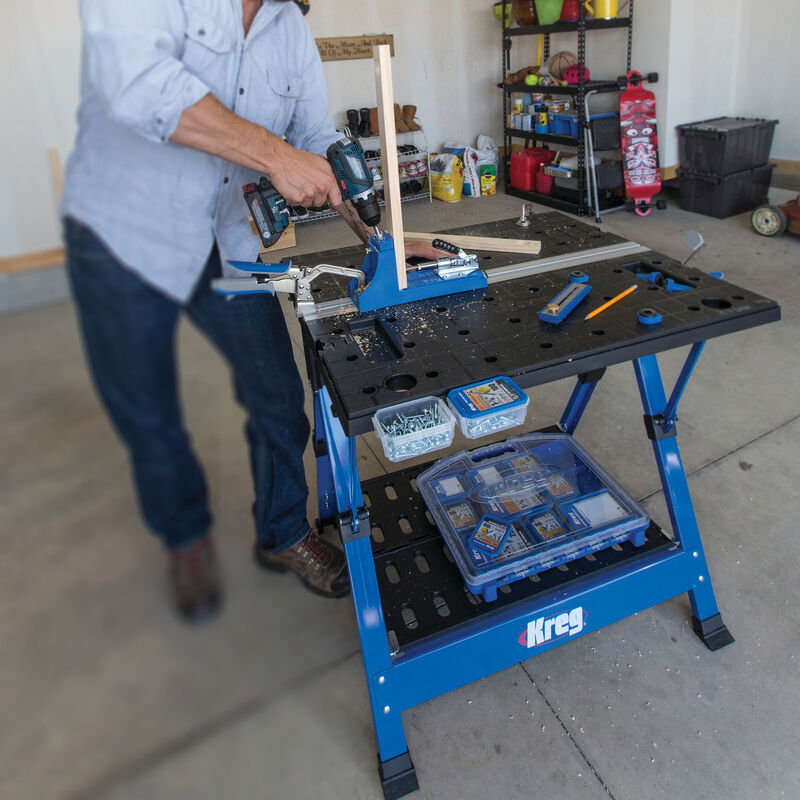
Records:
x=398, y=776
x=713, y=632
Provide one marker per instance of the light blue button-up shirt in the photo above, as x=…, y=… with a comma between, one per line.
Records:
x=157, y=205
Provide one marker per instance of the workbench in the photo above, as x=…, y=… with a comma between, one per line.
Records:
x=422, y=632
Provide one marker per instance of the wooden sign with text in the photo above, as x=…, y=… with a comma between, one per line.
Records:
x=346, y=48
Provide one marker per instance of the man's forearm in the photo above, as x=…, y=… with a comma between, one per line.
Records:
x=302, y=178
x=212, y=128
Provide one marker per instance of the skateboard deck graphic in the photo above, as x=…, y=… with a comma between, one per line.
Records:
x=637, y=119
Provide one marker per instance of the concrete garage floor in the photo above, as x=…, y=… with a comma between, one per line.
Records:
x=104, y=695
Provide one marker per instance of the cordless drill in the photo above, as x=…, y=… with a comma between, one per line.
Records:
x=349, y=167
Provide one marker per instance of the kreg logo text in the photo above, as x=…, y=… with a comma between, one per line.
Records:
x=548, y=629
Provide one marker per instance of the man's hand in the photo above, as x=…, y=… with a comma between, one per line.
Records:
x=424, y=250
x=420, y=249
x=304, y=179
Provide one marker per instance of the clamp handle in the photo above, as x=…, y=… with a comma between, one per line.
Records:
x=440, y=244
x=236, y=286
x=258, y=267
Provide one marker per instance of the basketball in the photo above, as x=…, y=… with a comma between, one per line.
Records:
x=559, y=62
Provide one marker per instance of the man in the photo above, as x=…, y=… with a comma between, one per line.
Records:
x=183, y=102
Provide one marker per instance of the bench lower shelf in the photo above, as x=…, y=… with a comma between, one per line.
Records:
x=422, y=592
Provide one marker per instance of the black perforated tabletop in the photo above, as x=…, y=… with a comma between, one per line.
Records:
x=377, y=359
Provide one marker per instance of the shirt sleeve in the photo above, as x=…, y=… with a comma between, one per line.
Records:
x=311, y=127
x=131, y=58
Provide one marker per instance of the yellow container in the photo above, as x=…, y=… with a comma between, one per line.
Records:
x=603, y=9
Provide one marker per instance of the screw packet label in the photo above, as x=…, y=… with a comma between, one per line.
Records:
x=525, y=463
x=596, y=511
x=489, y=395
x=559, y=487
x=461, y=515
x=450, y=486
x=490, y=475
x=547, y=525
x=518, y=502
x=516, y=544
x=490, y=534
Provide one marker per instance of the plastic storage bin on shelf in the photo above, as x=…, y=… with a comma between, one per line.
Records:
x=725, y=145
x=609, y=176
x=723, y=196
x=511, y=510
x=414, y=428
x=489, y=406
x=605, y=131
x=564, y=124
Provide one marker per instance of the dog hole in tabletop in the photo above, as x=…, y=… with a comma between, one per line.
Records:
x=716, y=302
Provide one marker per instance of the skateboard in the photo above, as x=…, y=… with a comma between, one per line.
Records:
x=637, y=119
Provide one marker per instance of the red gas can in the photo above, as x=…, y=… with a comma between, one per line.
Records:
x=571, y=10
x=525, y=164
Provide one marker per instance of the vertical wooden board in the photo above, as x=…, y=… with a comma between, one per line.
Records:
x=391, y=175
x=56, y=171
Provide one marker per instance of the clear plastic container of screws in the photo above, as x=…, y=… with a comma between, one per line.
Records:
x=489, y=406
x=414, y=428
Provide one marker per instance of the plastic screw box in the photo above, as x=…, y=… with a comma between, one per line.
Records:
x=486, y=407
x=414, y=428
x=547, y=502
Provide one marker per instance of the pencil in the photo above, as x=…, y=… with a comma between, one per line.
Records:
x=612, y=301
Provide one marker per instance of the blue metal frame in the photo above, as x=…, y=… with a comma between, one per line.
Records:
x=671, y=409
x=491, y=643
x=576, y=405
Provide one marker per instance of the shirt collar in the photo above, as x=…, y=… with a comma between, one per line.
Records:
x=267, y=13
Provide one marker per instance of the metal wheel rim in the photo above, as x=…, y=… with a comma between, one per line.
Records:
x=766, y=221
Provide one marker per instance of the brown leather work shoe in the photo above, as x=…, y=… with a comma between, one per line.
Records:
x=319, y=565
x=194, y=580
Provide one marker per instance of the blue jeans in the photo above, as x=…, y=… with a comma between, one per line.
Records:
x=129, y=336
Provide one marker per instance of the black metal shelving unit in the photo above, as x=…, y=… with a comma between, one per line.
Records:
x=578, y=91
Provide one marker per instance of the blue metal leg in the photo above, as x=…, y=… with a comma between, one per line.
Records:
x=578, y=401
x=670, y=412
x=326, y=493
x=576, y=405
x=708, y=623
x=397, y=771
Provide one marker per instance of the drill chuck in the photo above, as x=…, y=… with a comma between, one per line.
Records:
x=367, y=206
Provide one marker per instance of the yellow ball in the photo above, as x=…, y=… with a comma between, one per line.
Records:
x=532, y=79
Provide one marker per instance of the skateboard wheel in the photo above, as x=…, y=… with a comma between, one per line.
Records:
x=578, y=276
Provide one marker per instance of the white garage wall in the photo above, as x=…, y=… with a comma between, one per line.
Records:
x=39, y=62
x=768, y=69
x=704, y=43
x=447, y=61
